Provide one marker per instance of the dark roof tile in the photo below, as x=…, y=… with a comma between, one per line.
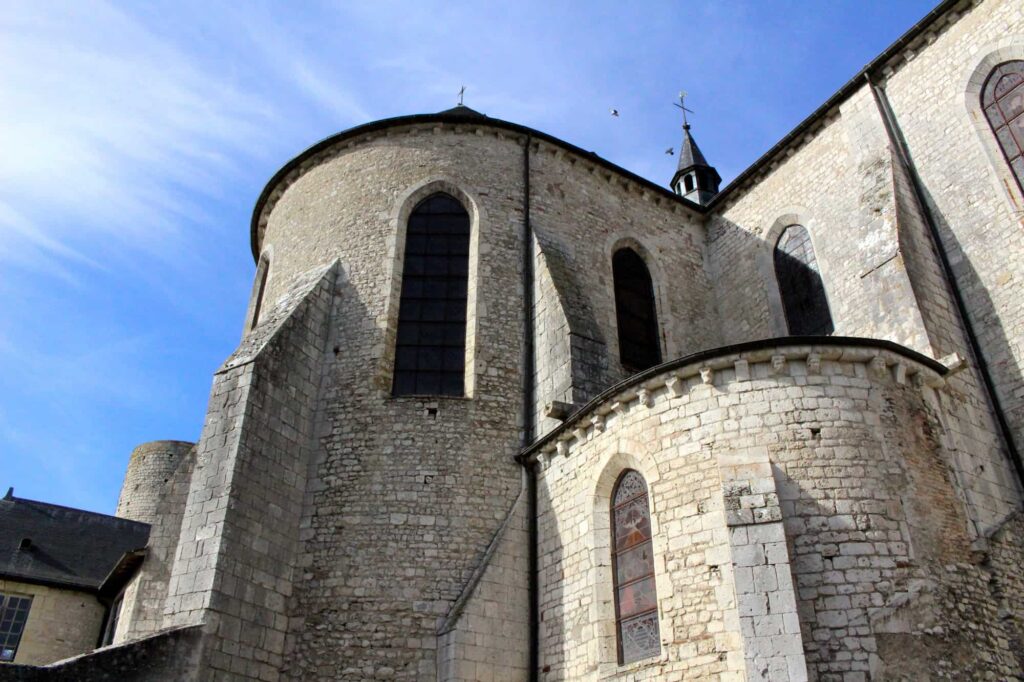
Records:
x=65, y=546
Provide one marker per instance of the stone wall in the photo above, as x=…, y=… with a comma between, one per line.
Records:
x=581, y=214
x=486, y=634
x=935, y=96
x=420, y=485
x=167, y=655
x=154, y=492
x=843, y=181
x=61, y=622
x=233, y=571
x=151, y=467
x=877, y=539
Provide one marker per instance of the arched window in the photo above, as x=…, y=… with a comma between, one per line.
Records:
x=1003, y=101
x=636, y=602
x=800, y=285
x=635, y=312
x=430, y=352
x=262, y=272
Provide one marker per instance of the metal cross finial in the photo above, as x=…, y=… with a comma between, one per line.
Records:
x=462, y=91
x=682, y=105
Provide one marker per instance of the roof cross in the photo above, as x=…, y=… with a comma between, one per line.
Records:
x=462, y=91
x=682, y=105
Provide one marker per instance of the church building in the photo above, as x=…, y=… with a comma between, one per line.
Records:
x=503, y=410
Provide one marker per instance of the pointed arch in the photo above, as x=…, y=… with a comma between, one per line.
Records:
x=430, y=345
x=1002, y=100
x=635, y=311
x=633, y=575
x=800, y=286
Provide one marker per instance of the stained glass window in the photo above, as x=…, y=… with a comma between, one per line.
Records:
x=430, y=351
x=1003, y=101
x=13, y=616
x=800, y=285
x=636, y=602
x=635, y=312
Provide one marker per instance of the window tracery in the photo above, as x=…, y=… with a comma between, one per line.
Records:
x=1002, y=99
x=636, y=603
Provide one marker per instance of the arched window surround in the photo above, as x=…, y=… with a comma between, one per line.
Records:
x=631, y=492
x=404, y=205
x=806, y=271
x=629, y=455
x=614, y=245
x=1007, y=126
x=257, y=299
x=793, y=215
x=1009, y=48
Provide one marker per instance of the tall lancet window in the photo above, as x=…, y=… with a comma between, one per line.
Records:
x=430, y=352
x=1003, y=100
x=800, y=285
x=635, y=312
x=636, y=602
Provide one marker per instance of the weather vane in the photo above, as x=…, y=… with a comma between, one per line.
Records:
x=682, y=105
x=462, y=91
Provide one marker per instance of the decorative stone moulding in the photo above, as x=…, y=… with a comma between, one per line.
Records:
x=877, y=363
x=813, y=363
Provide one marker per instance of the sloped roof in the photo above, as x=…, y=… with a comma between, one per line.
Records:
x=689, y=152
x=462, y=110
x=66, y=547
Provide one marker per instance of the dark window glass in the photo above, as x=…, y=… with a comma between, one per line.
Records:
x=636, y=601
x=1003, y=101
x=688, y=182
x=800, y=285
x=635, y=312
x=13, y=616
x=430, y=351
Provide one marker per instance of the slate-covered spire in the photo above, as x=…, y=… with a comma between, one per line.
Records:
x=694, y=178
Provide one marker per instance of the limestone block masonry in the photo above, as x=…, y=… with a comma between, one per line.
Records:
x=821, y=508
x=805, y=521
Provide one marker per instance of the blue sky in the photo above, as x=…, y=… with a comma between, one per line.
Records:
x=135, y=138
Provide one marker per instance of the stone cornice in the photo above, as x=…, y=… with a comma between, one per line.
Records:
x=881, y=358
x=434, y=124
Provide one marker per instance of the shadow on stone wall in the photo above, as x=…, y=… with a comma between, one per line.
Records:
x=889, y=584
x=984, y=315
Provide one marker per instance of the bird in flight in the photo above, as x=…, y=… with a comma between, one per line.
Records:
x=671, y=151
x=615, y=112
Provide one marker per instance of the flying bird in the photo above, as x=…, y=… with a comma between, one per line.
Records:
x=671, y=151
x=615, y=112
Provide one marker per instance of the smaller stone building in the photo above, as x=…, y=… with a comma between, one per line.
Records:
x=62, y=572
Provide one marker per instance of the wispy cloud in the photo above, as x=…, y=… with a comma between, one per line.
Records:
x=108, y=131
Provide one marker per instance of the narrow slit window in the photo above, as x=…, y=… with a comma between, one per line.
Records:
x=800, y=286
x=635, y=312
x=430, y=350
x=636, y=600
x=13, y=616
x=262, y=271
x=1002, y=98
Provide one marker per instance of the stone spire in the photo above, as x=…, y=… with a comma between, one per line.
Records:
x=694, y=178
